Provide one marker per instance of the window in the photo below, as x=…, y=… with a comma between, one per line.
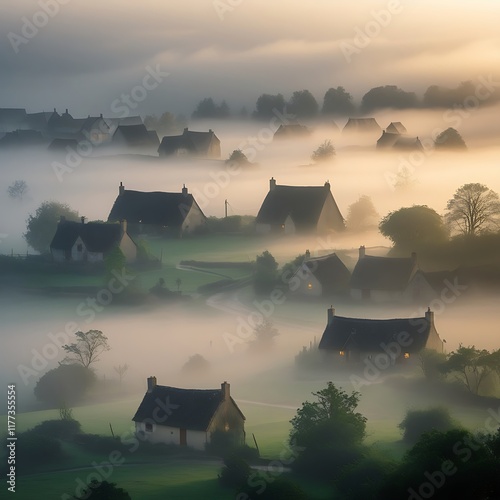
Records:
x=309, y=286
x=226, y=427
x=342, y=353
x=149, y=427
x=407, y=355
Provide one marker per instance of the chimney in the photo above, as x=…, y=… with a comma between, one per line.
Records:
x=123, y=225
x=210, y=131
x=184, y=190
x=224, y=388
x=55, y=110
x=100, y=116
x=62, y=218
x=151, y=383
x=362, y=252
x=186, y=130
x=327, y=185
x=308, y=255
x=67, y=111
x=272, y=184
x=330, y=315
x=429, y=316
x=121, y=188
x=82, y=218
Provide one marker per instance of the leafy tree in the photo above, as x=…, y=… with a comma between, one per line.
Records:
x=267, y=105
x=362, y=215
x=450, y=139
x=42, y=226
x=388, y=96
x=87, y=348
x=416, y=422
x=235, y=472
x=329, y=430
x=411, y=228
x=444, y=97
x=303, y=104
x=404, y=179
x=102, y=490
x=207, y=108
x=18, y=189
x=432, y=362
x=265, y=276
x=324, y=152
x=196, y=364
x=66, y=384
x=167, y=124
x=337, y=102
x=237, y=157
x=473, y=209
x=115, y=261
x=472, y=366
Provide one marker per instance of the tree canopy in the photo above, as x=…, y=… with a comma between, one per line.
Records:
x=362, y=215
x=337, y=102
x=42, y=226
x=267, y=105
x=207, y=108
x=412, y=228
x=18, y=189
x=473, y=209
x=87, y=348
x=324, y=152
x=303, y=104
x=388, y=96
x=450, y=139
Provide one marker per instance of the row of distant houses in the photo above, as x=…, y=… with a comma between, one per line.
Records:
x=63, y=132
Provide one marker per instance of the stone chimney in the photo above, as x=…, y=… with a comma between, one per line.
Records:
x=123, y=225
x=184, y=190
x=308, y=255
x=82, y=218
x=362, y=252
x=429, y=316
x=272, y=184
x=327, y=185
x=186, y=130
x=210, y=131
x=151, y=383
x=121, y=188
x=224, y=388
x=330, y=315
x=67, y=111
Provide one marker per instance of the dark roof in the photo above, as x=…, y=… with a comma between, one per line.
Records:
x=291, y=130
x=361, y=125
x=157, y=208
x=128, y=120
x=195, y=142
x=12, y=116
x=436, y=279
x=383, y=273
x=22, y=138
x=38, y=121
x=303, y=203
x=408, y=143
x=191, y=409
x=387, y=139
x=344, y=334
x=330, y=271
x=94, y=122
x=97, y=237
x=137, y=135
x=396, y=128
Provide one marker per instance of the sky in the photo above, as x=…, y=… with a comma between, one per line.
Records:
x=86, y=55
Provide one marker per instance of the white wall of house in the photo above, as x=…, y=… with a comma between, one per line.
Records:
x=172, y=435
x=193, y=219
x=329, y=217
x=419, y=290
x=128, y=247
x=289, y=226
x=308, y=284
x=78, y=251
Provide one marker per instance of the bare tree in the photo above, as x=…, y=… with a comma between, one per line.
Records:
x=121, y=370
x=473, y=209
x=17, y=189
x=87, y=348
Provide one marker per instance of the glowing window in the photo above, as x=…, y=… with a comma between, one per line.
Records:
x=309, y=285
x=226, y=427
x=407, y=355
x=342, y=353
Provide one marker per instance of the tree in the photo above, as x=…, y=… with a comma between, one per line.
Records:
x=196, y=365
x=114, y=261
x=474, y=209
x=64, y=385
x=388, y=96
x=432, y=362
x=412, y=228
x=238, y=158
x=303, y=104
x=362, y=215
x=337, y=102
x=263, y=336
x=168, y=123
x=121, y=370
x=416, y=422
x=102, y=490
x=42, y=226
x=265, y=276
x=329, y=432
x=268, y=105
x=450, y=139
x=87, y=348
x=472, y=366
x=207, y=108
x=18, y=189
x=325, y=152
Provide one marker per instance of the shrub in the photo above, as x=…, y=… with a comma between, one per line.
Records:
x=103, y=491
x=264, y=487
x=59, y=429
x=235, y=472
x=36, y=448
x=418, y=422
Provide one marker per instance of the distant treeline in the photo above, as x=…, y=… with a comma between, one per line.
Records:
x=338, y=101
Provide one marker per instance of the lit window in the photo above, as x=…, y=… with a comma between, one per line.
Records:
x=407, y=355
x=342, y=353
x=309, y=285
x=226, y=427
x=149, y=427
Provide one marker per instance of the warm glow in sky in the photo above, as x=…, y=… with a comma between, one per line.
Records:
x=84, y=55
